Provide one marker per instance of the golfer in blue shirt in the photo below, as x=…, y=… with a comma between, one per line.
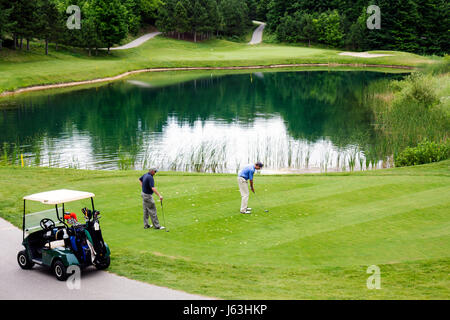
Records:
x=244, y=176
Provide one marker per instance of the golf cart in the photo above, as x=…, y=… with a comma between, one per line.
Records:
x=56, y=239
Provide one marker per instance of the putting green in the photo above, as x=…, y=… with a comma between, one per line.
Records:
x=317, y=241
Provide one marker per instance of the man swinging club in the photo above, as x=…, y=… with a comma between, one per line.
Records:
x=244, y=176
x=148, y=188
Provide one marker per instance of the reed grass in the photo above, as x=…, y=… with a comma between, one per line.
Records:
x=410, y=111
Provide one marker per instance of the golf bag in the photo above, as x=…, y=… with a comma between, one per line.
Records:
x=94, y=235
x=80, y=247
x=97, y=241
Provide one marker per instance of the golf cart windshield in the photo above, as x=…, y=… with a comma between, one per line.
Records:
x=32, y=220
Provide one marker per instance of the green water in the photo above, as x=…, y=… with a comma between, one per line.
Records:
x=292, y=121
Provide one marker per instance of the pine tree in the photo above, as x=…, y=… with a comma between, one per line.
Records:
x=148, y=10
x=286, y=29
x=214, y=16
x=308, y=30
x=5, y=22
x=89, y=36
x=235, y=17
x=111, y=18
x=48, y=19
x=433, y=33
x=261, y=10
x=199, y=20
x=404, y=22
x=166, y=12
x=23, y=15
x=133, y=16
x=181, y=19
x=357, y=35
x=398, y=31
x=252, y=9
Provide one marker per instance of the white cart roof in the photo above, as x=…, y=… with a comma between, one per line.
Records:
x=59, y=196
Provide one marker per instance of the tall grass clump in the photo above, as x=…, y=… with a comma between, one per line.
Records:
x=418, y=88
x=410, y=111
x=437, y=68
x=10, y=154
x=4, y=154
x=125, y=160
x=207, y=156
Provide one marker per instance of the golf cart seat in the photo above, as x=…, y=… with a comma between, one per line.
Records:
x=55, y=244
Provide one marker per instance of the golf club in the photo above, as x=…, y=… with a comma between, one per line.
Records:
x=164, y=218
x=260, y=202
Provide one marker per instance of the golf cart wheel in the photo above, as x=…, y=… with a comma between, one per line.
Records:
x=104, y=264
x=60, y=270
x=24, y=261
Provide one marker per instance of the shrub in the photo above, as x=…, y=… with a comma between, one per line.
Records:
x=418, y=89
x=356, y=38
x=425, y=152
x=296, y=28
x=287, y=30
x=329, y=28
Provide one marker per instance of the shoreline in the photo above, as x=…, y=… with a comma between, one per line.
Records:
x=282, y=172
x=129, y=73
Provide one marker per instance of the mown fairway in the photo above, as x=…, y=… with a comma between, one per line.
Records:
x=321, y=234
x=23, y=69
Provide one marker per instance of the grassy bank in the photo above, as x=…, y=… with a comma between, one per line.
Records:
x=23, y=69
x=412, y=110
x=161, y=79
x=321, y=234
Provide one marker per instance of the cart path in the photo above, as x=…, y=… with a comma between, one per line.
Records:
x=137, y=42
x=258, y=33
x=40, y=283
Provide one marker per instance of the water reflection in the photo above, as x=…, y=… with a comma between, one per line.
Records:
x=313, y=121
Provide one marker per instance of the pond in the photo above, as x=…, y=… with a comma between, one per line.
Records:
x=292, y=121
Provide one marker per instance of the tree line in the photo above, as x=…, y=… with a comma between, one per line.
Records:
x=419, y=26
x=103, y=22
x=204, y=18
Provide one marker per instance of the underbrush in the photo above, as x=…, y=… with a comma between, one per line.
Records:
x=425, y=152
